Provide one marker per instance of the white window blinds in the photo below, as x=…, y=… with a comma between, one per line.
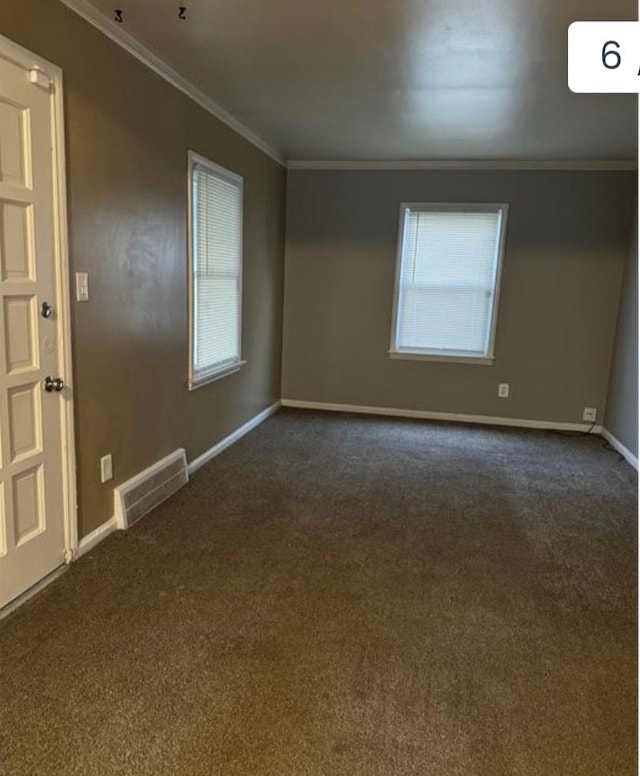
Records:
x=216, y=271
x=449, y=262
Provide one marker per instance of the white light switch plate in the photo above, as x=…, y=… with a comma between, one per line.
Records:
x=106, y=468
x=82, y=286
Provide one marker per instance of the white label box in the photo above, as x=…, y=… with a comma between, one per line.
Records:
x=604, y=57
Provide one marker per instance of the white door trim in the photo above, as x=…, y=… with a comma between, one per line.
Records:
x=25, y=58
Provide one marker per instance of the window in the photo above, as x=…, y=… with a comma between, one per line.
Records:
x=447, y=281
x=215, y=262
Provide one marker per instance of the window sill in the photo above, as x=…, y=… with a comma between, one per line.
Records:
x=210, y=377
x=411, y=355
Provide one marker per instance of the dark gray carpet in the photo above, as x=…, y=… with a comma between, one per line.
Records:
x=351, y=596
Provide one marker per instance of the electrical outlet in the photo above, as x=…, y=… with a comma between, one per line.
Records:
x=503, y=390
x=106, y=468
x=589, y=414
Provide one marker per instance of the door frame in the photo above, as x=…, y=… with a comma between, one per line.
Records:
x=30, y=61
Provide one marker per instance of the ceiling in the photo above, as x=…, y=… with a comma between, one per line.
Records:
x=393, y=79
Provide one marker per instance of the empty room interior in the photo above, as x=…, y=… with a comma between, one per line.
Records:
x=318, y=390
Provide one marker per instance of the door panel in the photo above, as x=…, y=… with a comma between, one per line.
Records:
x=24, y=422
x=32, y=518
x=14, y=128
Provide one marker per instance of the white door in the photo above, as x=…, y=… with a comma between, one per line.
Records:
x=32, y=484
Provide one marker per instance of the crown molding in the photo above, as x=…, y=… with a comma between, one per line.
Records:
x=559, y=164
x=115, y=32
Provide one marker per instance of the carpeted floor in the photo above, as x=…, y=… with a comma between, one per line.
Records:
x=346, y=596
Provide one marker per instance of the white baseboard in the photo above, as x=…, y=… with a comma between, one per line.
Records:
x=102, y=531
x=212, y=452
x=97, y=535
x=620, y=448
x=448, y=416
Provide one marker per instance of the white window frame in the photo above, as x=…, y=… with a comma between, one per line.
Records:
x=429, y=354
x=198, y=378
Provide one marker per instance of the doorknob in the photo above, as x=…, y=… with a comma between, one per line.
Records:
x=46, y=310
x=53, y=384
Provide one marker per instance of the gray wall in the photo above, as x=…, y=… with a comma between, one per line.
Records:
x=566, y=245
x=127, y=134
x=622, y=403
